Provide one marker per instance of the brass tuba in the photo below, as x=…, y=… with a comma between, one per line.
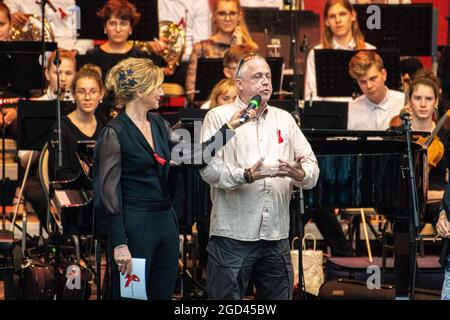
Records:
x=32, y=30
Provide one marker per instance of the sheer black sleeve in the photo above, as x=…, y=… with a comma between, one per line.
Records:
x=107, y=170
x=185, y=151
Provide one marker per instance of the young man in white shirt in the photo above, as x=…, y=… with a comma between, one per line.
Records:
x=378, y=105
x=60, y=21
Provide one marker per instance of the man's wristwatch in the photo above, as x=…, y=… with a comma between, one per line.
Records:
x=248, y=176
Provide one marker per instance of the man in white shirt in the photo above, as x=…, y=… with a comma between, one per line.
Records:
x=60, y=21
x=378, y=105
x=196, y=16
x=251, y=181
x=262, y=3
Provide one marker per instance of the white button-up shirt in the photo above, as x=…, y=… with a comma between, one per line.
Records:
x=310, y=77
x=260, y=210
x=196, y=15
x=363, y=114
x=262, y=3
x=63, y=30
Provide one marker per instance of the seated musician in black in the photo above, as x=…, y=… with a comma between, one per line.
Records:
x=81, y=124
x=130, y=177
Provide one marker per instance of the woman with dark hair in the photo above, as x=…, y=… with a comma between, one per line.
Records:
x=130, y=177
x=341, y=32
x=118, y=18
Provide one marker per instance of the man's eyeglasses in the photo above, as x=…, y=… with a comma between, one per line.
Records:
x=245, y=58
x=224, y=14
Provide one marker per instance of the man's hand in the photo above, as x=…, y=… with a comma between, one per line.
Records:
x=292, y=170
x=157, y=46
x=259, y=171
x=19, y=18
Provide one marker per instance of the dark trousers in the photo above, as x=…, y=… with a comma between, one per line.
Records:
x=331, y=230
x=153, y=236
x=233, y=263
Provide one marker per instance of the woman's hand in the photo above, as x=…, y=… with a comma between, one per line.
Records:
x=10, y=115
x=443, y=226
x=235, y=118
x=122, y=257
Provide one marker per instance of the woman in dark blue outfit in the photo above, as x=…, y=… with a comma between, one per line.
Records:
x=130, y=177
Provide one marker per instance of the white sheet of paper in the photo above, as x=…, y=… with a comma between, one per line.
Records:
x=133, y=286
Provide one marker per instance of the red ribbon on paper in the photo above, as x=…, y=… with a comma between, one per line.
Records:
x=129, y=278
x=160, y=160
x=280, y=138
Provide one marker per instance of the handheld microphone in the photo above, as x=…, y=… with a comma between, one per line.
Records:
x=253, y=104
x=57, y=60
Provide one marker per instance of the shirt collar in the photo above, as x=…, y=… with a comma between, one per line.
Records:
x=382, y=105
x=350, y=46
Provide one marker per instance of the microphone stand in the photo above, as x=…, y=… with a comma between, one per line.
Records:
x=295, y=101
x=414, y=214
x=3, y=170
x=58, y=156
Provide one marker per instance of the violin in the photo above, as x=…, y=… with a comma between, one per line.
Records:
x=433, y=144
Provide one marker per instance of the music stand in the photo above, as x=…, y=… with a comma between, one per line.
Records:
x=209, y=73
x=35, y=120
x=276, y=65
x=22, y=53
x=333, y=79
x=325, y=115
x=408, y=27
x=92, y=28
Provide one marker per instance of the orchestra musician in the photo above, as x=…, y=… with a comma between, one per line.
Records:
x=231, y=29
x=67, y=69
x=341, y=32
x=81, y=124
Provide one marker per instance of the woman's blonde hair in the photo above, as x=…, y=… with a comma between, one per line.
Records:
x=248, y=41
x=90, y=71
x=219, y=89
x=327, y=38
x=132, y=75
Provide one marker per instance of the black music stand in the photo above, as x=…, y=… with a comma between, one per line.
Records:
x=35, y=120
x=408, y=27
x=187, y=199
x=14, y=54
x=333, y=79
x=209, y=73
x=92, y=28
x=276, y=65
x=324, y=115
